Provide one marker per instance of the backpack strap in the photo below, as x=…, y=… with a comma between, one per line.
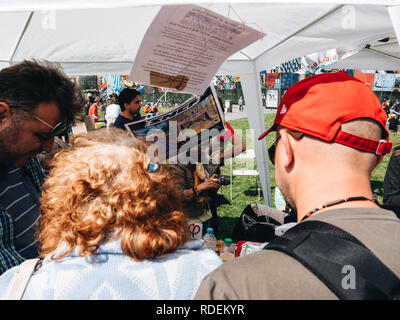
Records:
x=19, y=282
x=325, y=250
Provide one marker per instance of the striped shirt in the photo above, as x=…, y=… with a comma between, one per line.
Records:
x=20, y=190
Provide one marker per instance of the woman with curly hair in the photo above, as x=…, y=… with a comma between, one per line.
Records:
x=112, y=227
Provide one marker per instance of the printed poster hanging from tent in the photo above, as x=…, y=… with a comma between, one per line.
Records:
x=313, y=63
x=317, y=61
x=185, y=45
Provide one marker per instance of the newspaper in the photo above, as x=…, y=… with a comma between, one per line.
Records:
x=179, y=132
x=185, y=45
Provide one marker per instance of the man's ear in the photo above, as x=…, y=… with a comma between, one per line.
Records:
x=5, y=115
x=286, y=152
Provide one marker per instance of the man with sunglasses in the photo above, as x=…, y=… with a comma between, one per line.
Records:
x=37, y=103
x=330, y=136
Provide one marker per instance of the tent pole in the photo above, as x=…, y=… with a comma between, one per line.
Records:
x=28, y=21
x=255, y=112
x=384, y=53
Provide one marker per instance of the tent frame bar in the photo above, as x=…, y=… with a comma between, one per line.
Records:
x=382, y=52
x=302, y=29
x=28, y=21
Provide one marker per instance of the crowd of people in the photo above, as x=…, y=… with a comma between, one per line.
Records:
x=103, y=221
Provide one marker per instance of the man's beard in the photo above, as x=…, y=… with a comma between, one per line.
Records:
x=134, y=114
x=8, y=139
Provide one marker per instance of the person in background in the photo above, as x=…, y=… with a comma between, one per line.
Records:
x=153, y=112
x=227, y=145
x=389, y=103
x=93, y=110
x=37, y=103
x=112, y=227
x=89, y=102
x=146, y=110
x=396, y=106
x=385, y=106
x=113, y=110
x=241, y=103
x=393, y=122
x=220, y=152
x=194, y=184
x=130, y=103
x=396, y=109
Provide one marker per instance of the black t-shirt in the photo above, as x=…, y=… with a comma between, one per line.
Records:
x=121, y=121
x=391, y=182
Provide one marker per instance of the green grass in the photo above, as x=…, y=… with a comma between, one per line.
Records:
x=245, y=191
x=161, y=110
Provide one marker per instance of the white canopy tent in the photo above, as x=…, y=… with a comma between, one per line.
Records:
x=103, y=37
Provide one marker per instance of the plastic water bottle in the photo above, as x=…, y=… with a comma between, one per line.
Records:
x=210, y=241
x=228, y=250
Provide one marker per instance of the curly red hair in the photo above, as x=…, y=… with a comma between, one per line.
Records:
x=100, y=189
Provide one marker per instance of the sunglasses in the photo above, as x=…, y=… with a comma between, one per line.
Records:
x=57, y=130
x=271, y=150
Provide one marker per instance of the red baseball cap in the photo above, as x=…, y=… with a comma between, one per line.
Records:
x=320, y=104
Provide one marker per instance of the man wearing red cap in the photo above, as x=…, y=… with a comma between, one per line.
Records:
x=330, y=136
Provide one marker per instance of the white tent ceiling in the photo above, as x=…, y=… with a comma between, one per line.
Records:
x=103, y=37
x=377, y=56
